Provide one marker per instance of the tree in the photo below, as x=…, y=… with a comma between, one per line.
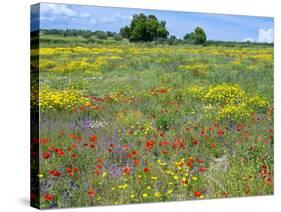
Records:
x=110, y=34
x=101, y=35
x=172, y=39
x=117, y=37
x=200, y=36
x=125, y=32
x=196, y=37
x=145, y=28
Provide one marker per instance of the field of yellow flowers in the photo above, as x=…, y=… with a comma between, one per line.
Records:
x=138, y=123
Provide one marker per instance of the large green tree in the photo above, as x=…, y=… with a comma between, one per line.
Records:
x=145, y=28
x=197, y=37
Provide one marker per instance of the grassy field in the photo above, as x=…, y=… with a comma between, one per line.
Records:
x=141, y=123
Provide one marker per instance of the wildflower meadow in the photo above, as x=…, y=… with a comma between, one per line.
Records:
x=123, y=122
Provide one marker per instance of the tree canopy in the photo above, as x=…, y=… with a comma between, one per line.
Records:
x=196, y=37
x=145, y=28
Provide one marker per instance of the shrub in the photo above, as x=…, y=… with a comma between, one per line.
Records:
x=59, y=99
x=77, y=66
x=45, y=65
x=224, y=94
x=257, y=103
x=234, y=112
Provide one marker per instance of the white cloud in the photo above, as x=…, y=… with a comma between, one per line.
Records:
x=52, y=12
x=265, y=36
x=57, y=9
x=248, y=39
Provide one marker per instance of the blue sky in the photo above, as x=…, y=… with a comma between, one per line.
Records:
x=217, y=27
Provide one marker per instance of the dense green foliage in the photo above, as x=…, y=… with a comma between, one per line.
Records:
x=145, y=28
x=196, y=37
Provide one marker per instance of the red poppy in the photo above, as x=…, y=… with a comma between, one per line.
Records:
x=71, y=171
x=55, y=173
x=197, y=194
x=264, y=170
x=93, y=138
x=68, y=169
x=48, y=197
x=195, y=142
x=220, y=132
x=178, y=143
x=213, y=145
x=100, y=160
x=136, y=162
x=200, y=161
x=270, y=137
x=52, y=172
x=162, y=143
x=75, y=137
x=188, y=164
x=74, y=156
x=60, y=153
x=163, y=90
x=132, y=154
x=91, y=192
x=126, y=170
x=203, y=169
x=202, y=132
x=211, y=129
x=191, y=160
x=46, y=154
x=98, y=166
x=149, y=144
x=125, y=147
x=165, y=152
x=239, y=126
x=146, y=169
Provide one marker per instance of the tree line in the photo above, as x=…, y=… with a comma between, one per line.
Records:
x=143, y=28
x=148, y=28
